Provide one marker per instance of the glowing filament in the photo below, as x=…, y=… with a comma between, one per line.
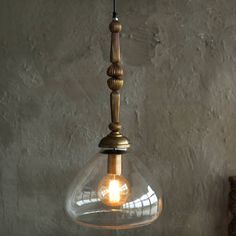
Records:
x=114, y=191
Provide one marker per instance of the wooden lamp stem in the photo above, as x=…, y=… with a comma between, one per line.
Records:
x=115, y=140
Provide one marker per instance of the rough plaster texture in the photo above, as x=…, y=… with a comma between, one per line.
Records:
x=178, y=107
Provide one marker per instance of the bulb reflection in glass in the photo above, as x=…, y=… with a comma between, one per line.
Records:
x=113, y=190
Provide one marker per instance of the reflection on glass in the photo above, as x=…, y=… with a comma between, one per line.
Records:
x=85, y=206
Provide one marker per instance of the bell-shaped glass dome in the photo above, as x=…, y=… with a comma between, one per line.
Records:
x=122, y=199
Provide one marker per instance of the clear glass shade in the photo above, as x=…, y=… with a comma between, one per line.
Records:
x=124, y=200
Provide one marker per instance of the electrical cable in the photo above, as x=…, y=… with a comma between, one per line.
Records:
x=114, y=10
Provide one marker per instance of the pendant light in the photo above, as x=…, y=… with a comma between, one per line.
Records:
x=114, y=191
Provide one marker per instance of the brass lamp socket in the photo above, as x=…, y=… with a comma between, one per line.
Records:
x=114, y=164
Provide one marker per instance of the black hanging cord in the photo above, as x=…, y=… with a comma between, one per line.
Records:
x=114, y=10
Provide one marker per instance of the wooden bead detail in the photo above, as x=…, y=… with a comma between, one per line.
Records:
x=115, y=84
x=232, y=206
x=115, y=26
x=115, y=71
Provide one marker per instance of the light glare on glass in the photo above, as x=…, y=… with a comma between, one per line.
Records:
x=113, y=190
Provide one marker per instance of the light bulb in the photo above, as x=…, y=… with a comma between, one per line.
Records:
x=113, y=190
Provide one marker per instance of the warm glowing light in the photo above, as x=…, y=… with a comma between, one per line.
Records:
x=113, y=190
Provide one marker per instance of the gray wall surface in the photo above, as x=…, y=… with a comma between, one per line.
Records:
x=178, y=107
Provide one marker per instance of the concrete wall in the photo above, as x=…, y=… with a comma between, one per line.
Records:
x=178, y=107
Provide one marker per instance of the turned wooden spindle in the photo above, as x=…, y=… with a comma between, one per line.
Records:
x=115, y=140
x=115, y=71
x=232, y=205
